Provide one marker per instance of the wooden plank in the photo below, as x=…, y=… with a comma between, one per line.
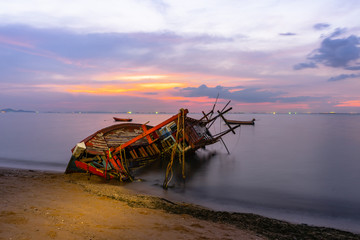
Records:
x=135, y=153
x=150, y=150
x=114, y=164
x=132, y=154
x=143, y=151
x=156, y=148
x=147, y=136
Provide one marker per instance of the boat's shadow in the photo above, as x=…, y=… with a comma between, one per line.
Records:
x=194, y=164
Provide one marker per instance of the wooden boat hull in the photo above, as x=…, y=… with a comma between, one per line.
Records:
x=95, y=147
x=116, y=151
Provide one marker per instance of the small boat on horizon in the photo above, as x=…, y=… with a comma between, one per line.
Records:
x=116, y=119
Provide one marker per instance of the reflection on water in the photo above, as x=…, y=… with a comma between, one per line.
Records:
x=302, y=168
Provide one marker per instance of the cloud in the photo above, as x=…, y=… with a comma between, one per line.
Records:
x=350, y=103
x=63, y=101
x=334, y=52
x=81, y=46
x=287, y=34
x=343, y=76
x=304, y=65
x=353, y=68
x=151, y=93
x=337, y=32
x=66, y=52
x=321, y=26
x=204, y=91
x=337, y=52
x=240, y=94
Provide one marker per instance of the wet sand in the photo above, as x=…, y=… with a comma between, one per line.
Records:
x=45, y=205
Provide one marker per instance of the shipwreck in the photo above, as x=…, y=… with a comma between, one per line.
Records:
x=115, y=152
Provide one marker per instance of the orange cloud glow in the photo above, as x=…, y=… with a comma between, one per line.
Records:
x=151, y=74
x=353, y=103
x=99, y=91
x=160, y=86
x=125, y=88
x=193, y=99
x=235, y=90
x=139, y=75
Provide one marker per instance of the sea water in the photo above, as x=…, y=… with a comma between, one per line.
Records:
x=303, y=168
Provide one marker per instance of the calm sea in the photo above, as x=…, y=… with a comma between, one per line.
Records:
x=301, y=168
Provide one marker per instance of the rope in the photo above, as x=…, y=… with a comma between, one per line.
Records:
x=169, y=171
x=183, y=144
x=237, y=141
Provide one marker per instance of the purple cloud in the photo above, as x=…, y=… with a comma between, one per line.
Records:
x=334, y=52
x=343, y=76
x=321, y=26
x=65, y=52
x=247, y=95
x=287, y=34
x=337, y=32
x=353, y=68
x=337, y=52
x=304, y=65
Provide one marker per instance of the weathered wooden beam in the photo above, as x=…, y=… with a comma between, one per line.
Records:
x=145, y=130
x=206, y=116
x=221, y=115
x=219, y=135
x=211, y=120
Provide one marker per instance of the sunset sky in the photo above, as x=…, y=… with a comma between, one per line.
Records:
x=147, y=56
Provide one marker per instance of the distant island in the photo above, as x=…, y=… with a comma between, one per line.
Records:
x=6, y=110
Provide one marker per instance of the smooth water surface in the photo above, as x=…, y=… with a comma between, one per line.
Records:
x=301, y=168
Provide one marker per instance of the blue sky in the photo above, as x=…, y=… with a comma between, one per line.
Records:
x=147, y=56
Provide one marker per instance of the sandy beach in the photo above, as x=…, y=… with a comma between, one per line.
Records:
x=46, y=205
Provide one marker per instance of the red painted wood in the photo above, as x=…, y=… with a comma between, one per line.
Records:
x=91, y=169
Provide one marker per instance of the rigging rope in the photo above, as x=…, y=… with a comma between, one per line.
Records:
x=183, y=144
x=180, y=128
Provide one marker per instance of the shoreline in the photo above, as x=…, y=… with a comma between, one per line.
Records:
x=59, y=206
